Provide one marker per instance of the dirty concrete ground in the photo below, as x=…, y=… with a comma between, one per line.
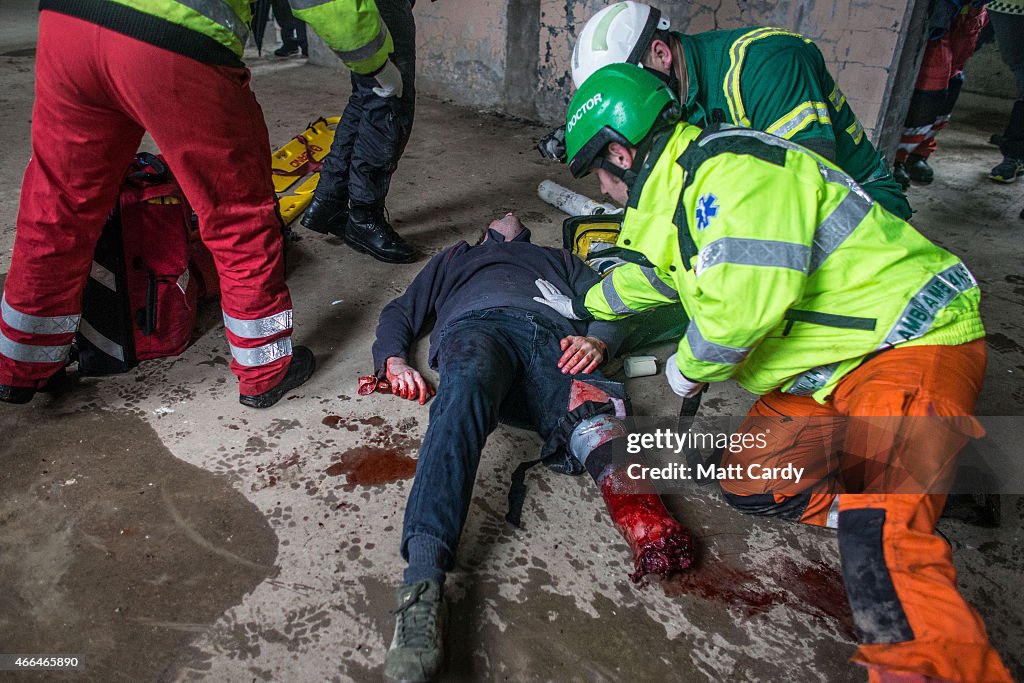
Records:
x=152, y=525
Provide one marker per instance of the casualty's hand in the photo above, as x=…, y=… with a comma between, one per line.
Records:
x=680, y=383
x=582, y=354
x=406, y=381
x=389, y=81
x=550, y=296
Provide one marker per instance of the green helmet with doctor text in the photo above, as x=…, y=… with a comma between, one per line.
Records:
x=619, y=103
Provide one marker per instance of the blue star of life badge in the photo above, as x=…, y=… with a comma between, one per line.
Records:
x=706, y=210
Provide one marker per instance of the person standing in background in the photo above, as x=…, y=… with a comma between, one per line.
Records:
x=293, y=31
x=1007, y=18
x=953, y=29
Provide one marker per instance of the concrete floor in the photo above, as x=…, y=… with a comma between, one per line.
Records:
x=163, y=532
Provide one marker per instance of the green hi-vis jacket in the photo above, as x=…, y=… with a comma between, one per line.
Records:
x=776, y=81
x=199, y=28
x=790, y=274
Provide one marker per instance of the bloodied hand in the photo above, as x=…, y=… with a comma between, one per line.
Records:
x=407, y=382
x=580, y=354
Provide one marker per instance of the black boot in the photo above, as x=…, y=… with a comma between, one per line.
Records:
x=370, y=233
x=899, y=173
x=22, y=395
x=287, y=50
x=302, y=366
x=919, y=170
x=17, y=395
x=326, y=216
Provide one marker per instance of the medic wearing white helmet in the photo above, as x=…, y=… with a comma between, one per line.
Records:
x=620, y=33
x=734, y=77
x=804, y=291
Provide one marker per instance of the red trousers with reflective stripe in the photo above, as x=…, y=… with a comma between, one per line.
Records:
x=938, y=86
x=931, y=630
x=97, y=92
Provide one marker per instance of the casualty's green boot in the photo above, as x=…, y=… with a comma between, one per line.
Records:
x=417, y=649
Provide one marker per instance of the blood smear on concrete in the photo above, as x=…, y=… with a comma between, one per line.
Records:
x=337, y=422
x=815, y=590
x=373, y=466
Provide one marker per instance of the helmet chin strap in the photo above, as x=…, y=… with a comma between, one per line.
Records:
x=629, y=175
x=667, y=119
x=626, y=175
x=668, y=79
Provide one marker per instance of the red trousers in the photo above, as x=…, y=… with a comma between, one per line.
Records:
x=938, y=84
x=97, y=92
x=878, y=457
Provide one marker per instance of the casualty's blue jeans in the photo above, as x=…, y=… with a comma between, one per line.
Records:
x=496, y=365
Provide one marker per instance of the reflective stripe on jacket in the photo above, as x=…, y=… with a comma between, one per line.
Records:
x=789, y=272
x=352, y=28
x=775, y=80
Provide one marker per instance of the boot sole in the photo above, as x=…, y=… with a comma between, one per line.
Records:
x=268, y=400
x=321, y=229
x=16, y=395
x=363, y=249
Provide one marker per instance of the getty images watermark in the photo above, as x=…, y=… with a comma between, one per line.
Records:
x=677, y=443
x=790, y=455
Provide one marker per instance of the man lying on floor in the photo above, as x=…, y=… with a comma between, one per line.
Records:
x=503, y=357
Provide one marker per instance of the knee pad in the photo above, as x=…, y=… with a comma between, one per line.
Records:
x=769, y=505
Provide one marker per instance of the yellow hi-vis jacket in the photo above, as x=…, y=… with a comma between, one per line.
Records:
x=790, y=274
x=352, y=28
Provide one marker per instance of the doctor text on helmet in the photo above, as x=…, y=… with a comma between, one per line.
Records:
x=583, y=109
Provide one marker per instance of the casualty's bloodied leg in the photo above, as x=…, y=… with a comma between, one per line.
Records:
x=584, y=430
x=660, y=544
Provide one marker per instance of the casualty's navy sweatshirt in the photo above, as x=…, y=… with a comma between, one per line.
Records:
x=494, y=274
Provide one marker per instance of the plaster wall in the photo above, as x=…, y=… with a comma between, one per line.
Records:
x=462, y=50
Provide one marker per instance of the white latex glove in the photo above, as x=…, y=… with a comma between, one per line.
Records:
x=390, y=80
x=555, y=299
x=679, y=382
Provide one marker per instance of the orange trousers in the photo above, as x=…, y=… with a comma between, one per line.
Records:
x=878, y=459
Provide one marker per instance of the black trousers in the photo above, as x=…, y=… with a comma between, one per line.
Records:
x=293, y=30
x=374, y=130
